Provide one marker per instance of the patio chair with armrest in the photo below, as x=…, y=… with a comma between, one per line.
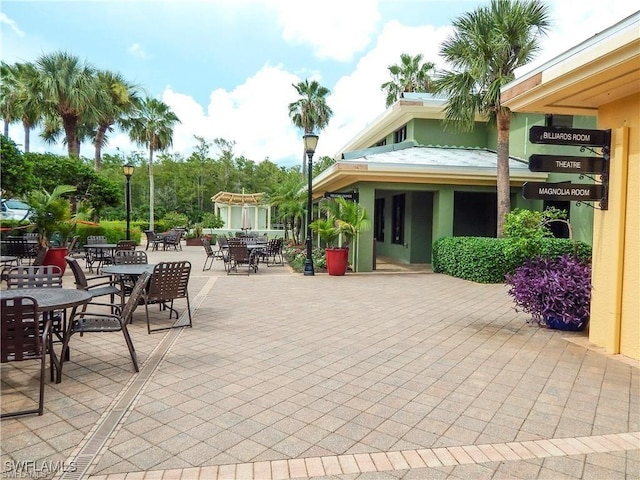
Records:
x=169, y=282
x=173, y=239
x=153, y=239
x=97, y=286
x=22, y=339
x=94, y=322
x=272, y=253
x=240, y=255
x=211, y=255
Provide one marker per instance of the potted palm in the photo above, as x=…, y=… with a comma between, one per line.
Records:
x=52, y=216
x=344, y=222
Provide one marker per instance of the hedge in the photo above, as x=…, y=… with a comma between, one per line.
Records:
x=483, y=259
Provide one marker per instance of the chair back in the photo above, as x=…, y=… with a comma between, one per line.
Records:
x=223, y=242
x=207, y=247
x=238, y=251
x=21, y=337
x=95, y=239
x=78, y=273
x=130, y=257
x=169, y=281
x=17, y=247
x=151, y=235
x=126, y=245
x=34, y=276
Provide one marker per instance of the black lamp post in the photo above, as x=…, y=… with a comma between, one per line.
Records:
x=310, y=143
x=128, y=171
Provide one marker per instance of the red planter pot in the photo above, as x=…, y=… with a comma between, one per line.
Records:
x=337, y=260
x=55, y=256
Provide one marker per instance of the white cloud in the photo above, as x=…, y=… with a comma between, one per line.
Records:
x=12, y=24
x=357, y=99
x=137, y=51
x=337, y=29
x=254, y=115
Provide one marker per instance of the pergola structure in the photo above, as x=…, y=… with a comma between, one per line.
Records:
x=229, y=206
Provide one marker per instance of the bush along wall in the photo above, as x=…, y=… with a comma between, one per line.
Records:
x=483, y=259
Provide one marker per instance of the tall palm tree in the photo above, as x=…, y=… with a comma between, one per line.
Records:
x=409, y=76
x=151, y=126
x=17, y=102
x=487, y=46
x=121, y=98
x=310, y=112
x=68, y=89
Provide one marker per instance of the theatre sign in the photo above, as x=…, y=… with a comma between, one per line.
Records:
x=567, y=191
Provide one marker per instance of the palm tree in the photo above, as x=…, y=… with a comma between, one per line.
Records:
x=17, y=102
x=487, y=46
x=310, y=112
x=410, y=76
x=151, y=125
x=289, y=200
x=121, y=99
x=68, y=90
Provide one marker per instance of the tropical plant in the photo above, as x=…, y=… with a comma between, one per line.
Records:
x=16, y=101
x=310, y=112
x=525, y=231
x=52, y=213
x=68, y=92
x=350, y=219
x=486, y=48
x=121, y=99
x=212, y=220
x=288, y=200
x=553, y=289
x=409, y=76
x=152, y=126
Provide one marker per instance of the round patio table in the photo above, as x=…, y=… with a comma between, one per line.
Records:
x=50, y=300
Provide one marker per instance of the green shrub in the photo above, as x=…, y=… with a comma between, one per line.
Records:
x=486, y=259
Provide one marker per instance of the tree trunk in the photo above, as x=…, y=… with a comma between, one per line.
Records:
x=97, y=162
x=27, y=137
x=70, y=124
x=151, y=194
x=504, y=192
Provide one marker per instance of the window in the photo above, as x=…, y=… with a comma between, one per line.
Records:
x=381, y=142
x=397, y=220
x=400, y=135
x=558, y=120
x=378, y=220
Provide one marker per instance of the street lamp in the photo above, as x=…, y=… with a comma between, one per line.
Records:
x=128, y=171
x=310, y=143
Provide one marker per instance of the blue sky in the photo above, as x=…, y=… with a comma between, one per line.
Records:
x=226, y=67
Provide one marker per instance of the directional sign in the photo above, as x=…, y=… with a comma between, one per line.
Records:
x=353, y=196
x=565, y=164
x=569, y=136
x=565, y=191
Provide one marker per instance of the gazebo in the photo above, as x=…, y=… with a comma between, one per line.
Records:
x=230, y=206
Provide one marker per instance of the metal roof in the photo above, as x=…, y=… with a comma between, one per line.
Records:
x=447, y=157
x=409, y=163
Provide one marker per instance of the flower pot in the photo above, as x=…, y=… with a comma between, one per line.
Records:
x=55, y=256
x=337, y=260
x=193, y=242
x=557, y=324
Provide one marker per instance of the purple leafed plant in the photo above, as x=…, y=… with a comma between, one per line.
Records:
x=553, y=287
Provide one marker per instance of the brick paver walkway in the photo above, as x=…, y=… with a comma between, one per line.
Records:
x=366, y=376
